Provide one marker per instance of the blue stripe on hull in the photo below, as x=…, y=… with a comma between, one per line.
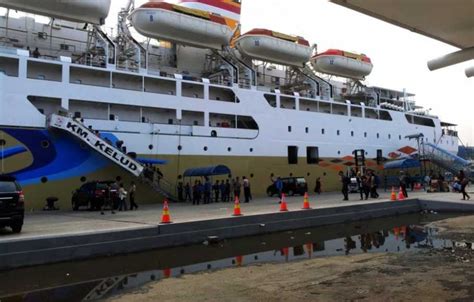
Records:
x=56, y=156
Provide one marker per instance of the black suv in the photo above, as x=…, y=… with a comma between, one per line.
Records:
x=291, y=186
x=12, y=204
x=93, y=194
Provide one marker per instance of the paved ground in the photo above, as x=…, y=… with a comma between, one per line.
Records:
x=67, y=222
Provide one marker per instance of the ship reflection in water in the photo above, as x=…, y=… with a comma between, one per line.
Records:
x=99, y=278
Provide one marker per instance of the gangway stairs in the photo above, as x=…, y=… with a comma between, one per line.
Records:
x=447, y=160
x=87, y=136
x=325, y=88
x=115, y=155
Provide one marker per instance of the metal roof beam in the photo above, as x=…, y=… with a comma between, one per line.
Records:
x=452, y=59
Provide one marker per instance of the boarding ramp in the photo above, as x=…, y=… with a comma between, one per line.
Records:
x=94, y=141
x=115, y=155
x=447, y=160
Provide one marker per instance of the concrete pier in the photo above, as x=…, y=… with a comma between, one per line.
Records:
x=51, y=237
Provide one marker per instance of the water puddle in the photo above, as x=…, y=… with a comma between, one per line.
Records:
x=101, y=278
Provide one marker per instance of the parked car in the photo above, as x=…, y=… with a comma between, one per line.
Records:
x=291, y=186
x=92, y=195
x=12, y=204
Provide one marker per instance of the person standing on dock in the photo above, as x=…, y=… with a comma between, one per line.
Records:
x=403, y=183
x=228, y=189
x=317, y=188
x=464, y=181
x=345, y=185
x=222, y=188
x=360, y=185
x=108, y=201
x=122, y=198
x=187, y=192
x=237, y=187
x=131, y=196
x=216, y=190
x=247, y=193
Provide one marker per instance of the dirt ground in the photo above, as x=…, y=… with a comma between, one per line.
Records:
x=429, y=275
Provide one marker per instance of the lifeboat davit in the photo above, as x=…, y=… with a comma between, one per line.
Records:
x=271, y=46
x=178, y=24
x=87, y=11
x=342, y=63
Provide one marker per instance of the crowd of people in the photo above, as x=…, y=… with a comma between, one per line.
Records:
x=116, y=198
x=367, y=183
x=206, y=192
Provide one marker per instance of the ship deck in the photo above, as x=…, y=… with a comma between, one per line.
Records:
x=58, y=236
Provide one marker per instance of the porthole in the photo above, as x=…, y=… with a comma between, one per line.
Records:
x=251, y=149
x=338, y=132
x=352, y=133
x=400, y=137
x=339, y=152
x=291, y=174
x=214, y=133
x=83, y=179
x=3, y=142
x=45, y=144
x=44, y=180
x=150, y=147
x=365, y=134
x=324, y=174
x=251, y=175
x=271, y=175
x=229, y=149
x=205, y=148
x=308, y=174
x=307, y=130
x=180, y=147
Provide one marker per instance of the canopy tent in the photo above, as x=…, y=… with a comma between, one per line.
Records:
x=407, y=163
x=152, y=161
x=207, y=171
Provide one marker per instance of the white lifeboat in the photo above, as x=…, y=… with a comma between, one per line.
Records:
x=87, y=11
x=178, y=24
x=270, y=46
x=342, y=63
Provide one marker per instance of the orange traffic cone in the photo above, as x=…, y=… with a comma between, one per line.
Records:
x=239, y=260
x=309, y=248
x=237, y=207
x=417, y=186
x=167, y=273
x=283, y=205
x=393, y=196
x=400, y=194
x=165, y=217
x=306, y=205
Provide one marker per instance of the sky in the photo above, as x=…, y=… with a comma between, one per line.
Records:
x=399, y=56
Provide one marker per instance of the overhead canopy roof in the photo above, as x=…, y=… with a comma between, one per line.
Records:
x=207, y=171
x=406, y=163
x=451, y=22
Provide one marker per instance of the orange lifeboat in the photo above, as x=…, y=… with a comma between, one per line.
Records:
x=342, y=63
x=182, y=25
x=90, y=11
x=275, y=47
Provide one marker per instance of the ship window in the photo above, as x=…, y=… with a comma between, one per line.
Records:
x=292, y=155
x=365, y=134
x=322, y=131
x=312, y=155
x=389, y=136
x=251, y=150
x=379, y=156
x=229, y=149
x=221, y=94
x=271, y=99
x=338, y=132
x=352, y=133
x=400, y=137
x=170, y=121
x=378, y=135
x=151, y=18
x=307, y=130
x=289, y=128
x=205, y=148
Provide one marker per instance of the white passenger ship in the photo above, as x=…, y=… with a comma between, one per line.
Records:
x=195, y=92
